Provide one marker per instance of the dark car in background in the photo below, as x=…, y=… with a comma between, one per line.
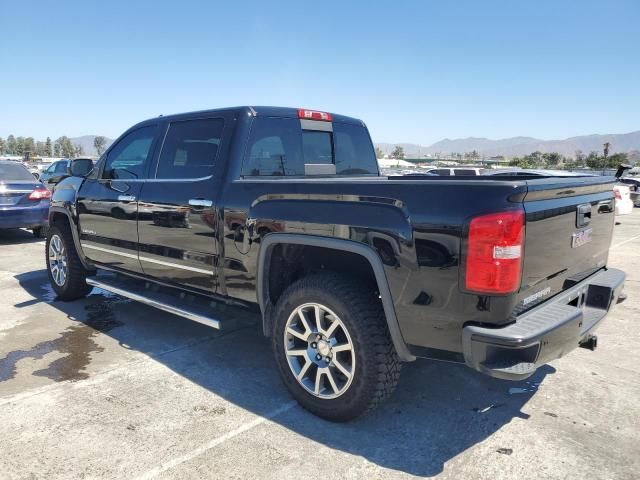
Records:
x=24, y=200
x=55, y=172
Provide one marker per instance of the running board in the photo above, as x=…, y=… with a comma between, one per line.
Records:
x=196, y=311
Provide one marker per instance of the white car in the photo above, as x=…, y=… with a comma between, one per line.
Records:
x=624, y=205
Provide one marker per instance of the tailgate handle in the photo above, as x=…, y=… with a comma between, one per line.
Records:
x=583, y=217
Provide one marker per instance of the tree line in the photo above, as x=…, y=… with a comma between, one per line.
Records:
x=398, y=153
x=28, y=148
x=593, y=160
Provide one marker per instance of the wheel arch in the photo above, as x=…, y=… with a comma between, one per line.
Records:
x=60, y=215
x=269, y=242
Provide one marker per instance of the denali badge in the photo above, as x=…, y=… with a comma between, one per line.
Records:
x=580, y=238
x=536, y=296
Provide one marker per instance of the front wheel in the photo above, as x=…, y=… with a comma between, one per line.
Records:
x=40, y=232
x=66, y=272
x=332, y=346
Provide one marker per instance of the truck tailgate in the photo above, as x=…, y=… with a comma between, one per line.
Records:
x=569, y=225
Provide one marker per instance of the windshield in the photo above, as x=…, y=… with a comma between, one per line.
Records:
x=14, y=172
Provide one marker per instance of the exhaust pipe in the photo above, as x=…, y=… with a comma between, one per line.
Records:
x=590, y=343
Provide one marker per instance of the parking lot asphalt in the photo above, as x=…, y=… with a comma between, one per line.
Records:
x=107, y=388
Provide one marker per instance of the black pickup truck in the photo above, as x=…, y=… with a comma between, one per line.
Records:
x=284, y=210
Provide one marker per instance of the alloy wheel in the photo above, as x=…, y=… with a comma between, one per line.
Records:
x=58, y=260
x=319, y=350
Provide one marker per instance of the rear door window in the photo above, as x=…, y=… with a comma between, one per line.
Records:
x=190, y=148
x=280, y=147
x=464, y=172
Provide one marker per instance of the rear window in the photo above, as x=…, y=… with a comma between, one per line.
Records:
x=463, y=172
x=280, y=147
x=15, y=172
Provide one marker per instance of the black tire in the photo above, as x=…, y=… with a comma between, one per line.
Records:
x=74, y=286
x=40, y=232
x=377, y=366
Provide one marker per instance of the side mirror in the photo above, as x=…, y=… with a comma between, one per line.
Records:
x=80, y=167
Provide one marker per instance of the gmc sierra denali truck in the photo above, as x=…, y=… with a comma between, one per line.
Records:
x=284, y=210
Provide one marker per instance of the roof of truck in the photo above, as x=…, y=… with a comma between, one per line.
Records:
x=287, y=112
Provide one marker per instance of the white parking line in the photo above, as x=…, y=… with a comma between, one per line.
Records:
x=154, y=472
x=626, y=241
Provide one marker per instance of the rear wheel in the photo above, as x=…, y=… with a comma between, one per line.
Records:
x=332, y=347
x=66, y=272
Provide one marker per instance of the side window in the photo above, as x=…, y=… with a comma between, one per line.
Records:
x=442, y=171
x=464, y=172
x=190, y=148
x=130, y=156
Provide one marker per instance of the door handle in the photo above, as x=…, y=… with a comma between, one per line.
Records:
x=200, y=202
x=126, y=198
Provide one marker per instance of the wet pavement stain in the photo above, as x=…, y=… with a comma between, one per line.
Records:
x=76, y=343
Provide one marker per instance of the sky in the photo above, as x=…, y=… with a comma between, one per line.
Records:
x=415, y=72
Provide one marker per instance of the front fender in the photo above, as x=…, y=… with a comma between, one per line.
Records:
x=65, y=194
x=63, y=202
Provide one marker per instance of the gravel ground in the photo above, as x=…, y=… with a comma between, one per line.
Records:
x=107, y=388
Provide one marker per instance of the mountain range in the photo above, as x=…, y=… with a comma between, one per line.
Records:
x=518, y=146
x=508, y=147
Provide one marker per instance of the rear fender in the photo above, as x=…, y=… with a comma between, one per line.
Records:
x=361, y=249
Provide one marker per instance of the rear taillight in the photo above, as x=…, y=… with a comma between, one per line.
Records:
x=39, y=194
x=494, y=253
x=314, y=115
x=617, y=194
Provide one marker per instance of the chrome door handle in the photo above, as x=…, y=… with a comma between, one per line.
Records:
x=126, y=198
x=200, y=202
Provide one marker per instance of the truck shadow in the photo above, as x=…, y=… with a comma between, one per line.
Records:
x=438, y=411
x=17, y=236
